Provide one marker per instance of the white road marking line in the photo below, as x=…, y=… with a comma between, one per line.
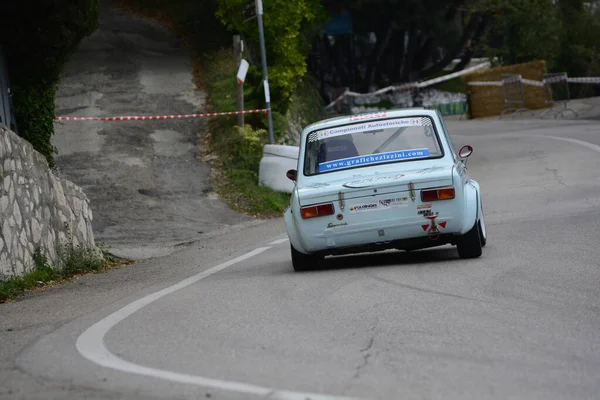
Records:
x=278, y=241
x=589, y=145
x=90, y=345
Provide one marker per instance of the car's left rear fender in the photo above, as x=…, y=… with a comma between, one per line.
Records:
x=290, y=224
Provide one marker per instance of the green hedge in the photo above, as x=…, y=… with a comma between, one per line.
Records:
x=39, y=38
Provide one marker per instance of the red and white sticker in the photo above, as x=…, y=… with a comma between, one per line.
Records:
x=433, y=228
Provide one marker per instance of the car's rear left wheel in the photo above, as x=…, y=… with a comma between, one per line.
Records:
x=469, y=245
x=303, y=262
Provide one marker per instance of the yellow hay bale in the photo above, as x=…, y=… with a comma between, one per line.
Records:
x=488, y=101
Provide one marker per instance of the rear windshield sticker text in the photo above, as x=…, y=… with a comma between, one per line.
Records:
x=373, y=159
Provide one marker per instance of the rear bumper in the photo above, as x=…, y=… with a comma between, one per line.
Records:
x=402, y=233
x=400, y=244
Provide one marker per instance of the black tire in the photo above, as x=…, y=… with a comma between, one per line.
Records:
x=469, y=245
x=303, y=262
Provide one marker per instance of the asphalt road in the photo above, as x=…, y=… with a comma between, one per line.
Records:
x=229, y=319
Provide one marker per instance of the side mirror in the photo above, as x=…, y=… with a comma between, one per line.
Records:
x=465, y=152
x=291, y=174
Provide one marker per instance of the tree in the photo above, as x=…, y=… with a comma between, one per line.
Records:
x=287, y=26
x=523, y=30
x=579, y=44
x=397, y=41
x=39, y=38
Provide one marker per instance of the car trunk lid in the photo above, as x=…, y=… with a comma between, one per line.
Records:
x=379, y=185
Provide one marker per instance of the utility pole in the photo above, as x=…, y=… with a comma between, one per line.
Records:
x=263, y=56
x=238, y=49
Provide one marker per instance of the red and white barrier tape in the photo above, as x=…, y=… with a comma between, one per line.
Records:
x=157, y=117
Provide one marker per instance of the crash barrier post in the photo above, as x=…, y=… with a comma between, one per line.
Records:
x=514, y=94
x=556, y=91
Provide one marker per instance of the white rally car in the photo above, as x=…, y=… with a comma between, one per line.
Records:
x=388, y=180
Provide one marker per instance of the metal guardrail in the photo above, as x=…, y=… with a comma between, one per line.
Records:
x=556, y=91
x=514, y=94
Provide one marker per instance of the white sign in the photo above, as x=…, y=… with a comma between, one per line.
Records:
x=241, y=75
x=267, y=93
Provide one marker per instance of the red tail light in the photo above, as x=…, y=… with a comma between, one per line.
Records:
x=317, y=211
x=437, y=194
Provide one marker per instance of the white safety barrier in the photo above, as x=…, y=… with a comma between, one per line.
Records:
x=276, y=161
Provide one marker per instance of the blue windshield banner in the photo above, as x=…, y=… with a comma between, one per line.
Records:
x=373, y=159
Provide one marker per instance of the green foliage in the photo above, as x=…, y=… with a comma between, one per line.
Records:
x=307, y=104
x=244, y=147
x=579, y=52
x=239, y=149
x=41, y=273
x=72, y=260
x=193, y=20
x=524, y=30
x=39, y=38
x=78, y=259
x=564, y=33
x=286, y=25
x=34, y=111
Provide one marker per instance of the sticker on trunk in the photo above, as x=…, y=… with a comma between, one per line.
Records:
x=427, y=213
x=372, y=181
x=384, y=204
x=393, y=203
x=364, y=207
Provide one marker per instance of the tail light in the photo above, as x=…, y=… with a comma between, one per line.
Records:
x=317, y=211
x=437, y=194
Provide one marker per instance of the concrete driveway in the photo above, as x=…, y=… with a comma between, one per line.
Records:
x=149, y=193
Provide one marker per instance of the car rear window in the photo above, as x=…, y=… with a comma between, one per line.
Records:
x=366, y=144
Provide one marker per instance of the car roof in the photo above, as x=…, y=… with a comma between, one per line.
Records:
x=371, y=116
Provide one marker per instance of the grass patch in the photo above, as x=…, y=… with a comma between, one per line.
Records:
x=72, y=261
x=235, y=152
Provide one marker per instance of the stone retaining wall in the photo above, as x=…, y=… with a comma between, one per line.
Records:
x=37, y=208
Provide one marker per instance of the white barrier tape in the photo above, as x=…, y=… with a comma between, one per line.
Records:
x=532, y=82
x=348, y=93
x=410, y=86
x=536, y=83
x=556, y=79
x=487, y=83
x=454, y=74
x=157, y=117
x=584, y=80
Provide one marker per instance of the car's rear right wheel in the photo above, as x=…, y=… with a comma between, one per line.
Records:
x=469, y=245
x=303, y=262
